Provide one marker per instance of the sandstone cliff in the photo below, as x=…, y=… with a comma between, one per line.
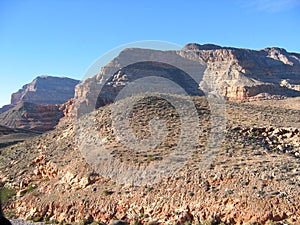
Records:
x=35, y=106
x=236, y=74
x=44, y=90
x=33, y=117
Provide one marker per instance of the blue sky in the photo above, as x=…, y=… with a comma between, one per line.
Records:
x=64, y=37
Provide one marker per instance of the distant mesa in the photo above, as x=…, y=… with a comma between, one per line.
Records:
x=36, y=106
x=46, y=90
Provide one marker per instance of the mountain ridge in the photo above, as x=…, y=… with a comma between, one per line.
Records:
x=234, y=73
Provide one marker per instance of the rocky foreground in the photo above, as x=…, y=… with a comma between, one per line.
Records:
x=254, y=177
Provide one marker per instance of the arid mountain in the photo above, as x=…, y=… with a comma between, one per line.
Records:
x=44, y=90
x=236, y=74
x=252, y=177
x=31, y=116
x=214, y=139
x=37, y=106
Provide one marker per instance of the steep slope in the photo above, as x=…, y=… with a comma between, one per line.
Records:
x=32, y=117
x=5, y=130
x=253, y=177
x=236, y=74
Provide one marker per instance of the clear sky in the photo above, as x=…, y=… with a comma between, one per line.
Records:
x=64, y=37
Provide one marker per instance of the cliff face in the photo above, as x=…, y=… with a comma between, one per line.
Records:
x=46, y=90
x=33, y=117
x=243, y=74
x=36, y=105
x=236, y=74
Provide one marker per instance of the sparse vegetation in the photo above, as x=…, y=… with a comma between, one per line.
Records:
x=37, y=219
x=7, y=194
x=108, y=192
x=240, y=163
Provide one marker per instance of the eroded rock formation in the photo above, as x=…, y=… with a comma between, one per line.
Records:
x=30, y=116
x=236, y=74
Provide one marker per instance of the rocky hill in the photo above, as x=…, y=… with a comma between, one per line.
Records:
x=252, y=178
x=236, y=74
x=44, y=90
x=195, y=148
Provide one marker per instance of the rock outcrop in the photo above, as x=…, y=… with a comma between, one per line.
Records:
x=236, y=74
x=33, y=117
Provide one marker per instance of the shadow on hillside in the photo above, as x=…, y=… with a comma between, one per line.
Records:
x=3, y=220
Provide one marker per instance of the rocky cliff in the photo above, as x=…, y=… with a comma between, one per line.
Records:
x=236, y=74
x=31, y=116
x=44, y=90
x=36, y=105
